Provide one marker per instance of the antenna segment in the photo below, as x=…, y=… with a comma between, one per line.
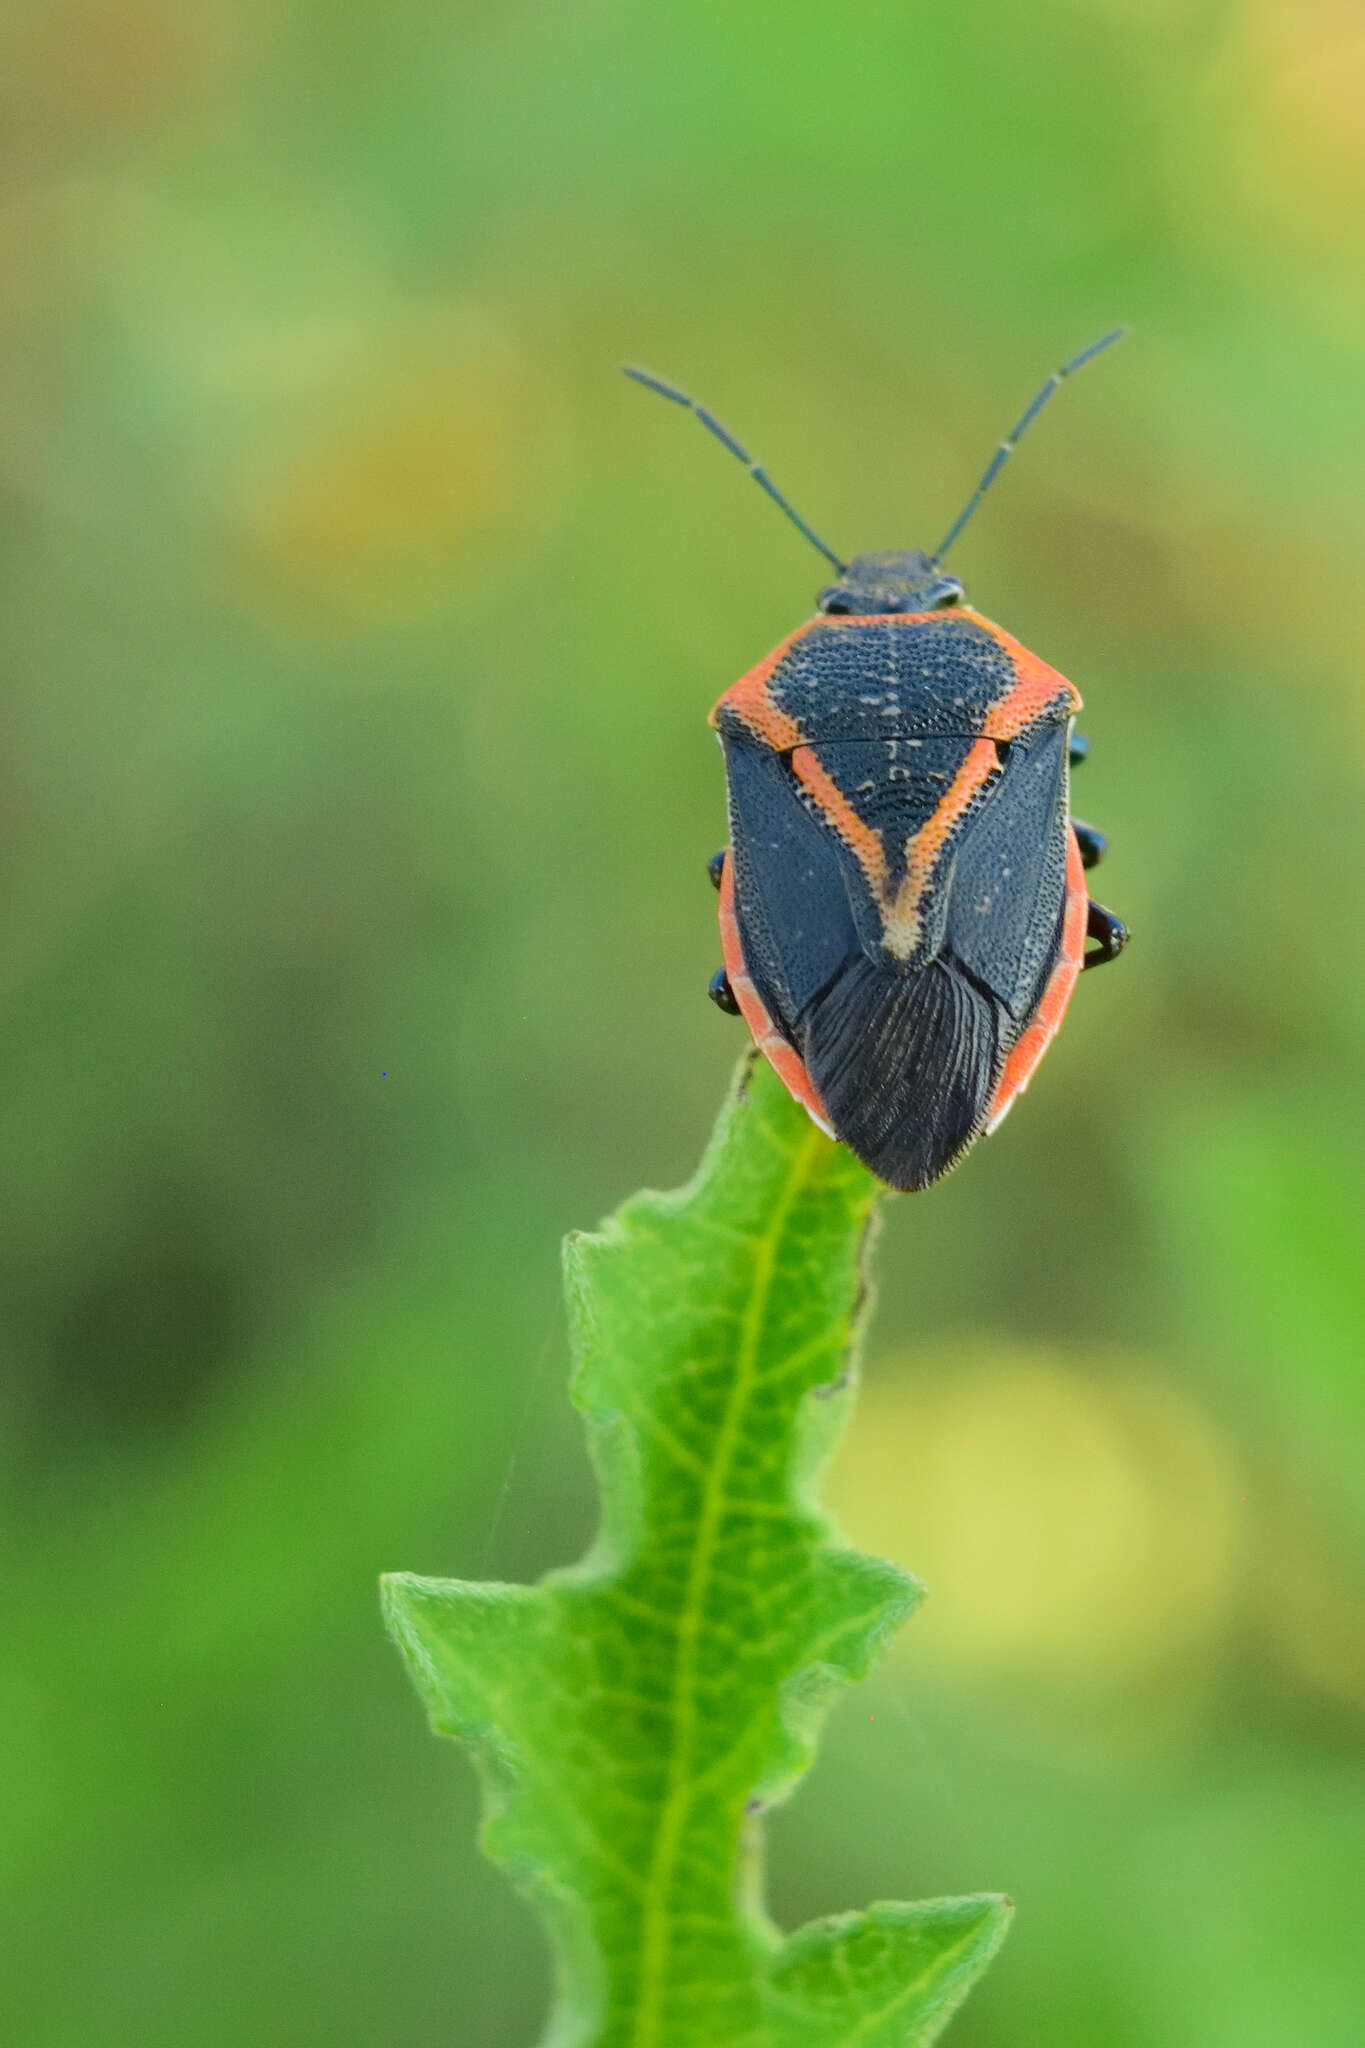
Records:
x=1016, y=434
x=727, y=440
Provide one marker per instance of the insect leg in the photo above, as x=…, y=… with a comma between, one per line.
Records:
x=1091, y=841
x=721, y=993
x=1111, y=932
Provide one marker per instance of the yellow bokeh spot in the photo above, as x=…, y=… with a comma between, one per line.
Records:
x=1310, y=62
x=414, y=451
x=1281, y=100
x=1076, y=1528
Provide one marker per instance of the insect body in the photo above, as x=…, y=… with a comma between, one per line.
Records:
x=903, y=905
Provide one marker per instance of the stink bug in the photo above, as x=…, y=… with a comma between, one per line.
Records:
x=903, y=906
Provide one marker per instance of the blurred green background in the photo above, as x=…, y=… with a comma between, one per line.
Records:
x=360, y=625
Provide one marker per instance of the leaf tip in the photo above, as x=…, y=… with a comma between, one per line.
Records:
x=895, y=1974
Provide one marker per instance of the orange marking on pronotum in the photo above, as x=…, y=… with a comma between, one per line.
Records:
x=1035, y=689
x=1036, y=686
x=783, y=1058
x=749, y=698
x=1022, y=1063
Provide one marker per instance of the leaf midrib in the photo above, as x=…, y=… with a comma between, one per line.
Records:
x=654, y=1938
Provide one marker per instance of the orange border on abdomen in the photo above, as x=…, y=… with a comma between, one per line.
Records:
x=1047, y=1018
x=781, y=1056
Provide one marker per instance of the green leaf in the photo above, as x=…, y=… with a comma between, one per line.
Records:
x=633, y=1714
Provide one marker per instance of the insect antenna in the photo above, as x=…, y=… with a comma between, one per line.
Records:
x=727, y=440
x=1016, y=434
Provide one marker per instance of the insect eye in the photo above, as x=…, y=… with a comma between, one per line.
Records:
x=948, y=597
x=835, y=604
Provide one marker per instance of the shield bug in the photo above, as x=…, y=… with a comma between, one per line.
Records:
x=903, y=905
